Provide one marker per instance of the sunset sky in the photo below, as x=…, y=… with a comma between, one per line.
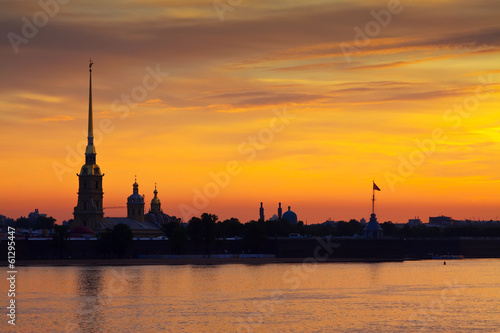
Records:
x=365, y=86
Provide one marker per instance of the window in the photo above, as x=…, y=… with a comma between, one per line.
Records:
x=96, y=185
x=84, y=185
x=85, y=205
x=133, y=211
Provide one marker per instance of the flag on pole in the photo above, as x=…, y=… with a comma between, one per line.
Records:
x=375, y=187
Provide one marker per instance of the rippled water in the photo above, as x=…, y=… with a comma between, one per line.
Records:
x=463, y=296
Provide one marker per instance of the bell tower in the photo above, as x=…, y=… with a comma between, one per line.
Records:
x=155, y=203
x=88, y=211
x=135, y=204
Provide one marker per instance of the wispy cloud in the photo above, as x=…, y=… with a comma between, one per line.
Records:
x=58, y=118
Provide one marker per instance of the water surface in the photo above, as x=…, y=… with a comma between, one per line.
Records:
x=427, y=296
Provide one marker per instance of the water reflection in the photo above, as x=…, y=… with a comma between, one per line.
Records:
x=375, y=272
x=135, y=280
x=89, y=282
x=389, y=297
x=89, y=311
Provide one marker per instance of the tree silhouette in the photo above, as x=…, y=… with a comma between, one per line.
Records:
x=118, y=240
x=60, y=238
x=177, y=235
x=202, y=231
x=255, y=236
x=44, y=222
x=230, y=228
x=209, y=222
x=195, y=231
x=389, y=228
x=24, y=222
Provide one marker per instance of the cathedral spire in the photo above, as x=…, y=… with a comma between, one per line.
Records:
x=90, y=136
x=90, y=151
x=89, y=209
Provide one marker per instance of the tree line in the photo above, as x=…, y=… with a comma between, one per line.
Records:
x=41, y=222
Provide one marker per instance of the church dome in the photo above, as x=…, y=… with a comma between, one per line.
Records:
x=290, y=216
x=135, y=197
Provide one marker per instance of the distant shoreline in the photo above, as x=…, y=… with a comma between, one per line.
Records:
x=274, y=251
x=190, y=261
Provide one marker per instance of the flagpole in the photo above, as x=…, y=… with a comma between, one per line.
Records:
x=373, y=198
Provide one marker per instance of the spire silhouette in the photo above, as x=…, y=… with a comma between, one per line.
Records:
x=90, y=136
x=89, y=209
x=90, y=152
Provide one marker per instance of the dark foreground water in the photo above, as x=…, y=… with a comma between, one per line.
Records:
x=426, y=296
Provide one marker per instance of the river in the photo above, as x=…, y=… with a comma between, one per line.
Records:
x=412, y=296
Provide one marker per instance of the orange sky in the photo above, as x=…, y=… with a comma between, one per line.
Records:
x=405, y=94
